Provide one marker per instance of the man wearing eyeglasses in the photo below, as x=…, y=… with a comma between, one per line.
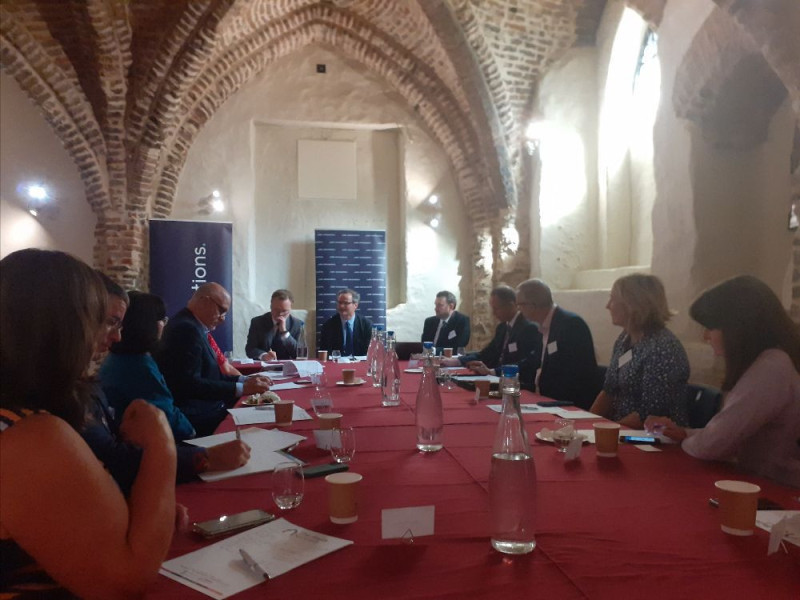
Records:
x=346, y=331
x=192, y=364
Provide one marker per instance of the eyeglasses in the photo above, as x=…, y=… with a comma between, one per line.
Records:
x=344, y=302
x=114, y=323
x=220, y=309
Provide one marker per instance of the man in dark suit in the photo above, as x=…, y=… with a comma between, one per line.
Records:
x=190, y=361
x=449, y=328
x=515, y=340
x=566, y=367
x=346, y=331
x=274, y=335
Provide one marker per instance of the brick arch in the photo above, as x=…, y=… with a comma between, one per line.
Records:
x=416, y=82
x=45, y=74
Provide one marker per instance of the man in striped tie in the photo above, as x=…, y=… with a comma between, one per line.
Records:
x=193, y=366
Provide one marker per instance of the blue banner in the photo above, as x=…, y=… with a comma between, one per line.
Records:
x=355, y=260
x=186, y=254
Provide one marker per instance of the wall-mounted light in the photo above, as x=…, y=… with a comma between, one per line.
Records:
x=216, y=201
x=534, y=133
x=433, y=200
x=435, y=221
x=36, y=198
x=213, y=203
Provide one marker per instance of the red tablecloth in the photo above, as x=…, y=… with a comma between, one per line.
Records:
x=635, y=526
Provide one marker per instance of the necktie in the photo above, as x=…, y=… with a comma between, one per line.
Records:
x=438, y=331
x=505, y=343
x=348, y=339
x=221, y=360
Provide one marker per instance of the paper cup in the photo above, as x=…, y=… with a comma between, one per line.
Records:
x=738, y=502
x=448, y=352
x=606, y=438
x=348, y=375
x=330, y=420
x=343, y=497
x=283, y=412
x=483, y=385
x=322, y=355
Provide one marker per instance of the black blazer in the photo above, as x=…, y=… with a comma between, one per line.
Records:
x=457, y=323
x=190, y=369
x=569, y=370
x=331, y=335
x=261, y=338
x=524, y=334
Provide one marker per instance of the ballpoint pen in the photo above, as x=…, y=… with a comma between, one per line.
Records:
x=238, y=433
x=252, y=564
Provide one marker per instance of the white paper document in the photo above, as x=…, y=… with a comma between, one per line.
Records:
x=489, y=378
x=219, y=571
x=289, y=385
x=303, y=368
x=264, y=445
x=411, y=522
x=264, y=413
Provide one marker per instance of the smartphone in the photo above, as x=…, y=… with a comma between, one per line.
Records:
x=320, y=470
x=548, y=403
x=639, y=439
x=225, y=524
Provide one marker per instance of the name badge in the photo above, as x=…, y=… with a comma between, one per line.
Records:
x=451, y=335
x=512, y=347
x=625, y=358
x=552, y=347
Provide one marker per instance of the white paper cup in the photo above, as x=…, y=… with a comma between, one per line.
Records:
x=738, y=502
x=284, y=410
x=606, y=438
x=343, y=497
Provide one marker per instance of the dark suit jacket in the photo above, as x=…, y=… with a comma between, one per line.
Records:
x=528, y=342
x=190, y=369
x=569, y=370
x=261, y=337
x=331, y=336
x=457, y=322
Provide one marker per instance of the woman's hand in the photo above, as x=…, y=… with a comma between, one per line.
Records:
x=227, y=456
x=667, y=427
x=145, y=425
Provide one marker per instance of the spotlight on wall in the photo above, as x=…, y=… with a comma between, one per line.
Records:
x=534, y=133
x=213, y=203
x=36, y=198
x=433, y=200
x=435, y=221
x=216, y=201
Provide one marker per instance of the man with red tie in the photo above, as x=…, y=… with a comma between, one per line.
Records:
x=192, y=364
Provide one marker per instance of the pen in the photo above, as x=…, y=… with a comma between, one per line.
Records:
x=713, y=502
x=238, y=434
x=252, y=564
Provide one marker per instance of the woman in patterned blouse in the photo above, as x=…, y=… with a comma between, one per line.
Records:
x=61, y=514
x=649, y=369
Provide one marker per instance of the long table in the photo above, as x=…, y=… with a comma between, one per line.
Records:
x=638, y=525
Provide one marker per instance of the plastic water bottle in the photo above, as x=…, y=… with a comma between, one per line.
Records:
x=377, y=358
x=512, y=481
x=427, y=350
x=371, y=350
x=302, y=348
x=429, y=414
x=390, y=389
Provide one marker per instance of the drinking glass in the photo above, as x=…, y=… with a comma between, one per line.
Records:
x=335, y=355
x=302, y=353
x=287, y=485
x=563, y=432
x=321, y=403
x=343, y=444
x=446, y=379
x=461, y=351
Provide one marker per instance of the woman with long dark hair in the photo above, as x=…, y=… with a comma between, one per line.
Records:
x=759, y=425
x=63, y=521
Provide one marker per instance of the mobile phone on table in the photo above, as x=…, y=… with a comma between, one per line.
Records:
x=225, y=524
x=320, y=470
x=553, y=403
x=639, y=439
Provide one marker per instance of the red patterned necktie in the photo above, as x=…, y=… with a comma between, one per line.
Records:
x=221, y=360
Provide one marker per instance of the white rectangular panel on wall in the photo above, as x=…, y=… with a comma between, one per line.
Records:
x=326, y=169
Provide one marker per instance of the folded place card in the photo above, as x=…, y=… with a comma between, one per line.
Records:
x=408, y=523
x=303, y=368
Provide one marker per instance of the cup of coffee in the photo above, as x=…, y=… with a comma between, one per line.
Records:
x=483, y=385
x=348, y=376
x=331, y=420
x=283, y=412
x=343, y=497
x=322, y=355
x=448, y=353
x=606, y=438
x=738, y=502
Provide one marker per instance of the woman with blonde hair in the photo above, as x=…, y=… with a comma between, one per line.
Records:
x=649, y=368
x=758, y=427
x=63, y=521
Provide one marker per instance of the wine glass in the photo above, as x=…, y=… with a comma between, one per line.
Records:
x=563, y=432
x=343, y=444
x=336, y=355
x=287, y=485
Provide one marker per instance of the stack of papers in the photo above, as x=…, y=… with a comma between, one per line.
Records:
x=263, y=413
x=303, y=368
x=277, y=547
x=264, y=450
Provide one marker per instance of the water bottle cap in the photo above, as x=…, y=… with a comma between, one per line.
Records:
x=427, y=344
x=390, y=332
x=379, y=327
x=510, y=370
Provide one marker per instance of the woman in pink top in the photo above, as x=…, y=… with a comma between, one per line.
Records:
x=759, y=425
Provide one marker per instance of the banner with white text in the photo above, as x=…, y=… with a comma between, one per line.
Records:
x=186, y=254
x=355, y=260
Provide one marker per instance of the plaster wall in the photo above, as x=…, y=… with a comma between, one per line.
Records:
x=31, y=152
x=248, y=149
